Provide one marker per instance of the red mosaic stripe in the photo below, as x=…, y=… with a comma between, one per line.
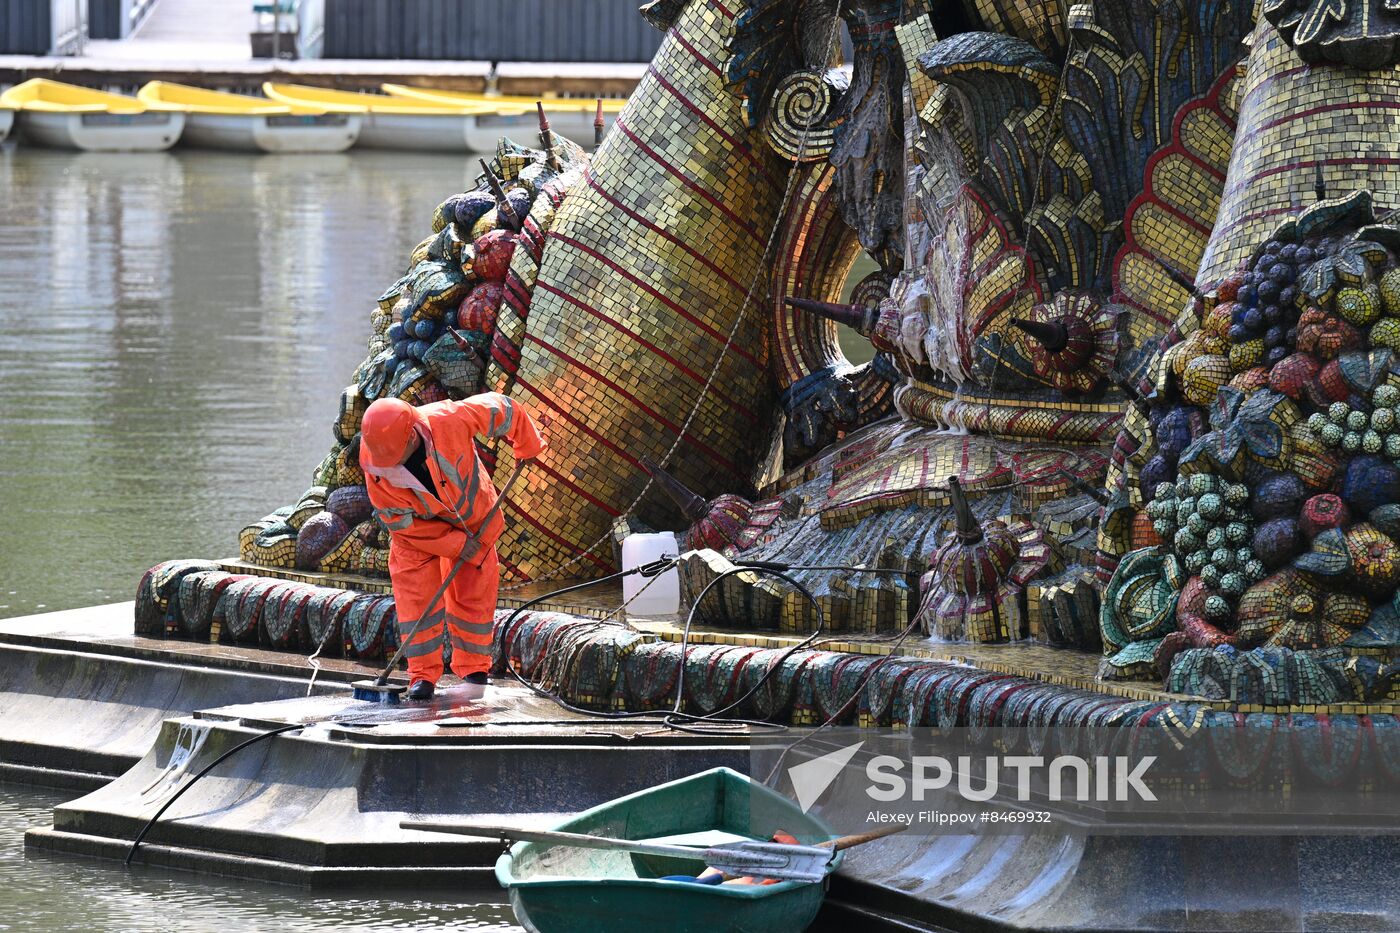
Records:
x=699, y=56
x=699, y=445
x=688, y=181
x=582, y=426
x=735, y=143
x=1314, y=111
x=571, y=546
x=1306, y=164
x=662, y=232
x=657, y=351
x=1248, y=100
x=576, y=489
x=504, y=353
x=512, y=568
x=655, y=293
x=1255, y=215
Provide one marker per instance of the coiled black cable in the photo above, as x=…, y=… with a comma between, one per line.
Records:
x=714, y=722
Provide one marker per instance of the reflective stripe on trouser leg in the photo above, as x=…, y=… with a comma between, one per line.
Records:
x=428, y=637
x=471, y=607
x=416, y=577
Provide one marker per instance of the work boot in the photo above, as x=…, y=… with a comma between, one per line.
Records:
x=477, y=677
x=420, y=690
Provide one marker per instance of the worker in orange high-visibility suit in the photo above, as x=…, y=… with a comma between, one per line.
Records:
x=430, y=489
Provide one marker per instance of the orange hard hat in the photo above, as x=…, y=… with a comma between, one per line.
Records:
x=386, y=431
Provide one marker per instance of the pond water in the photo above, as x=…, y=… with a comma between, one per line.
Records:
x=52, y=894
x=175, y=330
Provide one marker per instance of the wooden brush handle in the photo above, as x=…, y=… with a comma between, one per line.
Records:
x=845, y=842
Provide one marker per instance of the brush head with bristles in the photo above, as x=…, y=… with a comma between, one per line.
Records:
x=372, y=691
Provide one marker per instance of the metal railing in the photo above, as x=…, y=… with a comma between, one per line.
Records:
x=43, y=27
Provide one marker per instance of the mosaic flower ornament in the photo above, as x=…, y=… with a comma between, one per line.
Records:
x=1073, y=341
x=1292, y=610
x=974, y=589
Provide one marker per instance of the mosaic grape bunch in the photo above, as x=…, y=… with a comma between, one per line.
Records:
x=1210, y=529
x=1273, y=485
x=1373, y=428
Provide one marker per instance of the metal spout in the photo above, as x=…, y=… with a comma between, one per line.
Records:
x=968, y=527
x=1052, y=335
x=1134, y=394
x=461, y=341
x=1177, y=276
x=503, y=208
x=692, y=505
x=1319, y=183
x=857, y=317
x=598, y=124
x=547, y=138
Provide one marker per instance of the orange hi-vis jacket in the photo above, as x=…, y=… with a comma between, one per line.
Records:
x=437, y=521
x=429, y=530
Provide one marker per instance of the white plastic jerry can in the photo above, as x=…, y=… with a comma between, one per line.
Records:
x=663, y=596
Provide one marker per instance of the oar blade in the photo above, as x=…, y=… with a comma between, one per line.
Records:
x=771, y=860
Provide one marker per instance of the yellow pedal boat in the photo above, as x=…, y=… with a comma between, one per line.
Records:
x=400, y=123
x=568, y=116
x=220, y=120
x=67, y=116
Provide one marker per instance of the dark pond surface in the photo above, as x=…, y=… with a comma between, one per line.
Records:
x=103, y=897
x=175, y=330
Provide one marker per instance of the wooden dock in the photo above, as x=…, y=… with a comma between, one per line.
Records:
x=247, y=75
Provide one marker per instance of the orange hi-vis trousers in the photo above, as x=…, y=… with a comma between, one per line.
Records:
x=467, y=608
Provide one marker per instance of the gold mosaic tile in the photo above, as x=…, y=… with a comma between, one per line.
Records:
x=1294, y=119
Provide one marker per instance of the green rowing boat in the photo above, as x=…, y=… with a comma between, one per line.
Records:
x=559, y=889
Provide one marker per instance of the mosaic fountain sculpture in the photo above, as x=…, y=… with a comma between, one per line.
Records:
x=1137, y=321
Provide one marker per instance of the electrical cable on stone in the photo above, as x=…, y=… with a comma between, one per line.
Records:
x=714, y=722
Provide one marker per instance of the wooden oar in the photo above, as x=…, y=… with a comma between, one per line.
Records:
x=763, y=859
x=845, y=842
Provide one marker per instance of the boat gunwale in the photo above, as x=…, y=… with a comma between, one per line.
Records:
x=383, y=104
x=153, y=92
x=570, y=105
x=18, y=98
x=743, y=891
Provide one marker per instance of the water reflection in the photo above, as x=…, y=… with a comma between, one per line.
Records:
x=175, y=330
x=53, y=894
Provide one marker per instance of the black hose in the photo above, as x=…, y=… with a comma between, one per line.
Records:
x=210, y=767
x=699, y=724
